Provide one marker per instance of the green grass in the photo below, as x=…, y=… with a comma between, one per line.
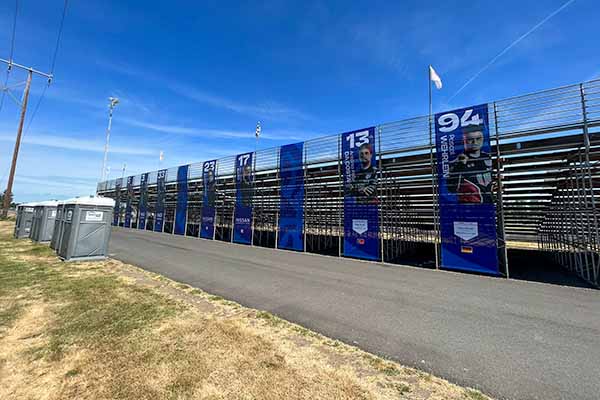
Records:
x=40, y=250
x=381, y=365
x=99, y=312
x=303, y=331
x=401, y=388
x=271, y=319
x=72, y=372
x=473, y=394
x=94, y=309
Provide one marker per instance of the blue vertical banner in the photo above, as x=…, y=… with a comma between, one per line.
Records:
x=143, y=207
x=361, y=205
x=291, y=205
x=209, y=197
x=244, y=185
x=128, y=207
x=117, y=211
x=182, y=200
x=466, y=194
x=159, y=210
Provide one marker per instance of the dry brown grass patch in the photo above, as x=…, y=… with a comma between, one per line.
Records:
x=108, y=330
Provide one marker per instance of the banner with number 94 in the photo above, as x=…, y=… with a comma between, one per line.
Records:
x=466, y=190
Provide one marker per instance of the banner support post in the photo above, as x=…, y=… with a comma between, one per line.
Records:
x=433, y=176
x=340, y=232
x=187, y=205
x=278, y=196
x=252, y=202
x=214, y=231
x=304, y=173
x=232, y=229
x=499, y=191
x=380, y=205
x=586, y=141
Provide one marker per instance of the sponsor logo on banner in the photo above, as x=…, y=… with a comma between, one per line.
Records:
x=466, y=230
x=361, y=205
x=360, y=226
x=466, y=194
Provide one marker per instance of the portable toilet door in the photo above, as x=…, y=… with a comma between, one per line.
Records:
x=18, y=220
x=45, y=219
x=86, y=228
x=57, y=226
x=35, y=222
x=24, y=228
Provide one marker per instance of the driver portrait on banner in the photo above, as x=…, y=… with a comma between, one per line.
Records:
x=211, y=187
x=130, y=192
x=246, y=185
x=471, y=171
x=363, y=186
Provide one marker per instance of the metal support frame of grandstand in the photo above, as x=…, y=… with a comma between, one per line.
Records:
x=546, y=166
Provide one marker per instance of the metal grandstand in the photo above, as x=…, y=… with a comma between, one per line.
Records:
x=546, y=155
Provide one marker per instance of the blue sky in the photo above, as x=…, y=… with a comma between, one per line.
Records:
x=194, y=79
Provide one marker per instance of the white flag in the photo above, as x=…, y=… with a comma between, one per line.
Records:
x=257, y=132
x=435, y=78
x=161, y=156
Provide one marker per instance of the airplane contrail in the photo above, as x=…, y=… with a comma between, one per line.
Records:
x=510, y=46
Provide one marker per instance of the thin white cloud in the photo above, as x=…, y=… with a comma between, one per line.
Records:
x=264, y=110
x=45, y=181
x=282, y=135
x=187, y=131
x=268, y=110
x=510, y=46
x=70, y=143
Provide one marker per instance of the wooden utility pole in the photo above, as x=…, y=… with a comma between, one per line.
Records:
x=30, y=71
x=13, y=166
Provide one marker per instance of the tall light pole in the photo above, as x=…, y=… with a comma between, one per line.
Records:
x=112, y=102
x=257, y=135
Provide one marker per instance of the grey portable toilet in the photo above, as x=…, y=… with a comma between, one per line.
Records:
x=56, y=234
x=86, y=228
x=18, y=219
x=44, y=217
x=24, y=220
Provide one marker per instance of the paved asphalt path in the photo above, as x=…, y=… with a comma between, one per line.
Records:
x=510, y=339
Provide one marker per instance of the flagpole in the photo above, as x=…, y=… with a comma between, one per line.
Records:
x=433, y=191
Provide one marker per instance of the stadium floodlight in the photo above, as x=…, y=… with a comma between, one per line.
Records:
x=112, y=102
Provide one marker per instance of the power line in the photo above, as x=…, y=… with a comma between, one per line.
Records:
x=12, y=41
x=35, y=110
x=30, y=72
x=53, y=64
x=60, y=29
x=12, y=50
